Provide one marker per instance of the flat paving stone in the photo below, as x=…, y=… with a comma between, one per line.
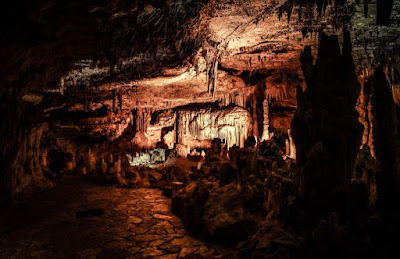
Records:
x=137, y=223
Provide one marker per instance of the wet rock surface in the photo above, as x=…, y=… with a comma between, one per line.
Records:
x=137, y=223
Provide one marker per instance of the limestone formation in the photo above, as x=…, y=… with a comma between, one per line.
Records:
x=217, y=107
x=326, y=128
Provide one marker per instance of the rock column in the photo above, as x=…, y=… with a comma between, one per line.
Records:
x=265, y=134
x=326, y=129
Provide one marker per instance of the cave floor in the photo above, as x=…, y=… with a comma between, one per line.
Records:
x=136, y=223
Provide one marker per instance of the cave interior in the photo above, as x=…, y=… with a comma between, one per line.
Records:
x=200, y=129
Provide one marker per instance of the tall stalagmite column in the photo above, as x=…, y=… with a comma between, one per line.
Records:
x=256, y=133
x=326, y=130
x=265, y=134
x=386, y=144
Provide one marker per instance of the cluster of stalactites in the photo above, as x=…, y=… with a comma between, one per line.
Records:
x=231, y=125
x=235, y=98
x=275, y=93
x=150, y=157
x=141, y=118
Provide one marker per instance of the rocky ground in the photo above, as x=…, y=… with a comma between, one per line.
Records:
x=210, y=207
x=85, y=220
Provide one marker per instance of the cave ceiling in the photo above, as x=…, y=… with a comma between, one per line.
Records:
x=157, y=55
x=110, y=46
x=124, y=77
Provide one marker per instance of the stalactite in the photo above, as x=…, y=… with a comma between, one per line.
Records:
x=214, y=88
x=232, y=125
x=212, y=55
x=134, y=119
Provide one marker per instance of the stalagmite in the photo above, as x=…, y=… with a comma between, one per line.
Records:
x=325, y=176
x=265, y=134
x=181, y=117
x=287, y=147
x=256, y=134
x=386, y=141
x=292, y=146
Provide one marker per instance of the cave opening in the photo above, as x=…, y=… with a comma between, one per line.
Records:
x=200, y=129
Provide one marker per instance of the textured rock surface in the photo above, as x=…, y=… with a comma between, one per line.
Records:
x=386, y=143
x=196, y=127
x=225, y=216
x=84, y=84
x=226, y=200
x=135, y=224
x=232, y=126
x=270, y=240
x=189, y=203
x=327, y=132
x=101, y=71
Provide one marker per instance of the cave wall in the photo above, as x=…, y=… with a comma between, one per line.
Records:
x=85, y=68
x=232, y=125
x=43, y=43
x=195, y=127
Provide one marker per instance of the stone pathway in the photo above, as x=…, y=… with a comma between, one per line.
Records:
x=137, y=223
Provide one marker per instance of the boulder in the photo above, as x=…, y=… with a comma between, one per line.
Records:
x=270, y=241
x=188, y=202
x=225, y=216
x=226, y=173
x=246, y=160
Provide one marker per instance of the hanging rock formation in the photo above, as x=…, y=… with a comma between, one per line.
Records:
x=193, y=127
x=233, y=125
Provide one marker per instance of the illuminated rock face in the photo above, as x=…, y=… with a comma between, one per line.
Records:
x=151, y=157
x=386, y=143
x=265, y=134
x=233, y=125
x=195, y=128
x=107, y=73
